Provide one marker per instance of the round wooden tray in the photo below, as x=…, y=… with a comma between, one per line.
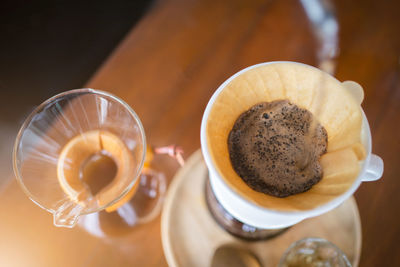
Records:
x=190, y=235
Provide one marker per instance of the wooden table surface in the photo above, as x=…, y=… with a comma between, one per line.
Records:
x=173, y=60
x=170, y=64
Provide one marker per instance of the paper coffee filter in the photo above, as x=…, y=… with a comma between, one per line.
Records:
x=307, y=87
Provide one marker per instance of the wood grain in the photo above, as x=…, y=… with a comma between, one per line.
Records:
x=170, y=64
x=188, y=229
x=167, y=68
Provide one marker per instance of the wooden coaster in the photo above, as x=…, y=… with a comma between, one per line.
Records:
x=190, y=235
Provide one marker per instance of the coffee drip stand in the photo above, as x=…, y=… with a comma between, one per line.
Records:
x=194, y=223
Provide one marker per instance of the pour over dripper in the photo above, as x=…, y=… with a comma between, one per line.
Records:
x=63, y=132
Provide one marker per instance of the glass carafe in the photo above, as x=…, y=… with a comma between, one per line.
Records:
x=64, y=138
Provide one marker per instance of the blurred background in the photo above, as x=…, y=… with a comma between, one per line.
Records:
x=51, y=46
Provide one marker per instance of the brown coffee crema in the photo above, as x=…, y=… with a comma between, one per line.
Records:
x=275, y=147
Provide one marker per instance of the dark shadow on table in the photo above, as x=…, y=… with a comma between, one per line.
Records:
x=51, y=46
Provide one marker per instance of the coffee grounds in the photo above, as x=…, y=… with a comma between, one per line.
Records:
x=275, y=147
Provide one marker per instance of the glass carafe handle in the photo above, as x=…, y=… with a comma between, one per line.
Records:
x=173, y=151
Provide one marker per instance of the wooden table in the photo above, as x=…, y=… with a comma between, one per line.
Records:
x=174, y=59
x=170, y=64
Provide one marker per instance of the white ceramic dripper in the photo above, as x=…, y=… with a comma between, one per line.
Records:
x=260, y=217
